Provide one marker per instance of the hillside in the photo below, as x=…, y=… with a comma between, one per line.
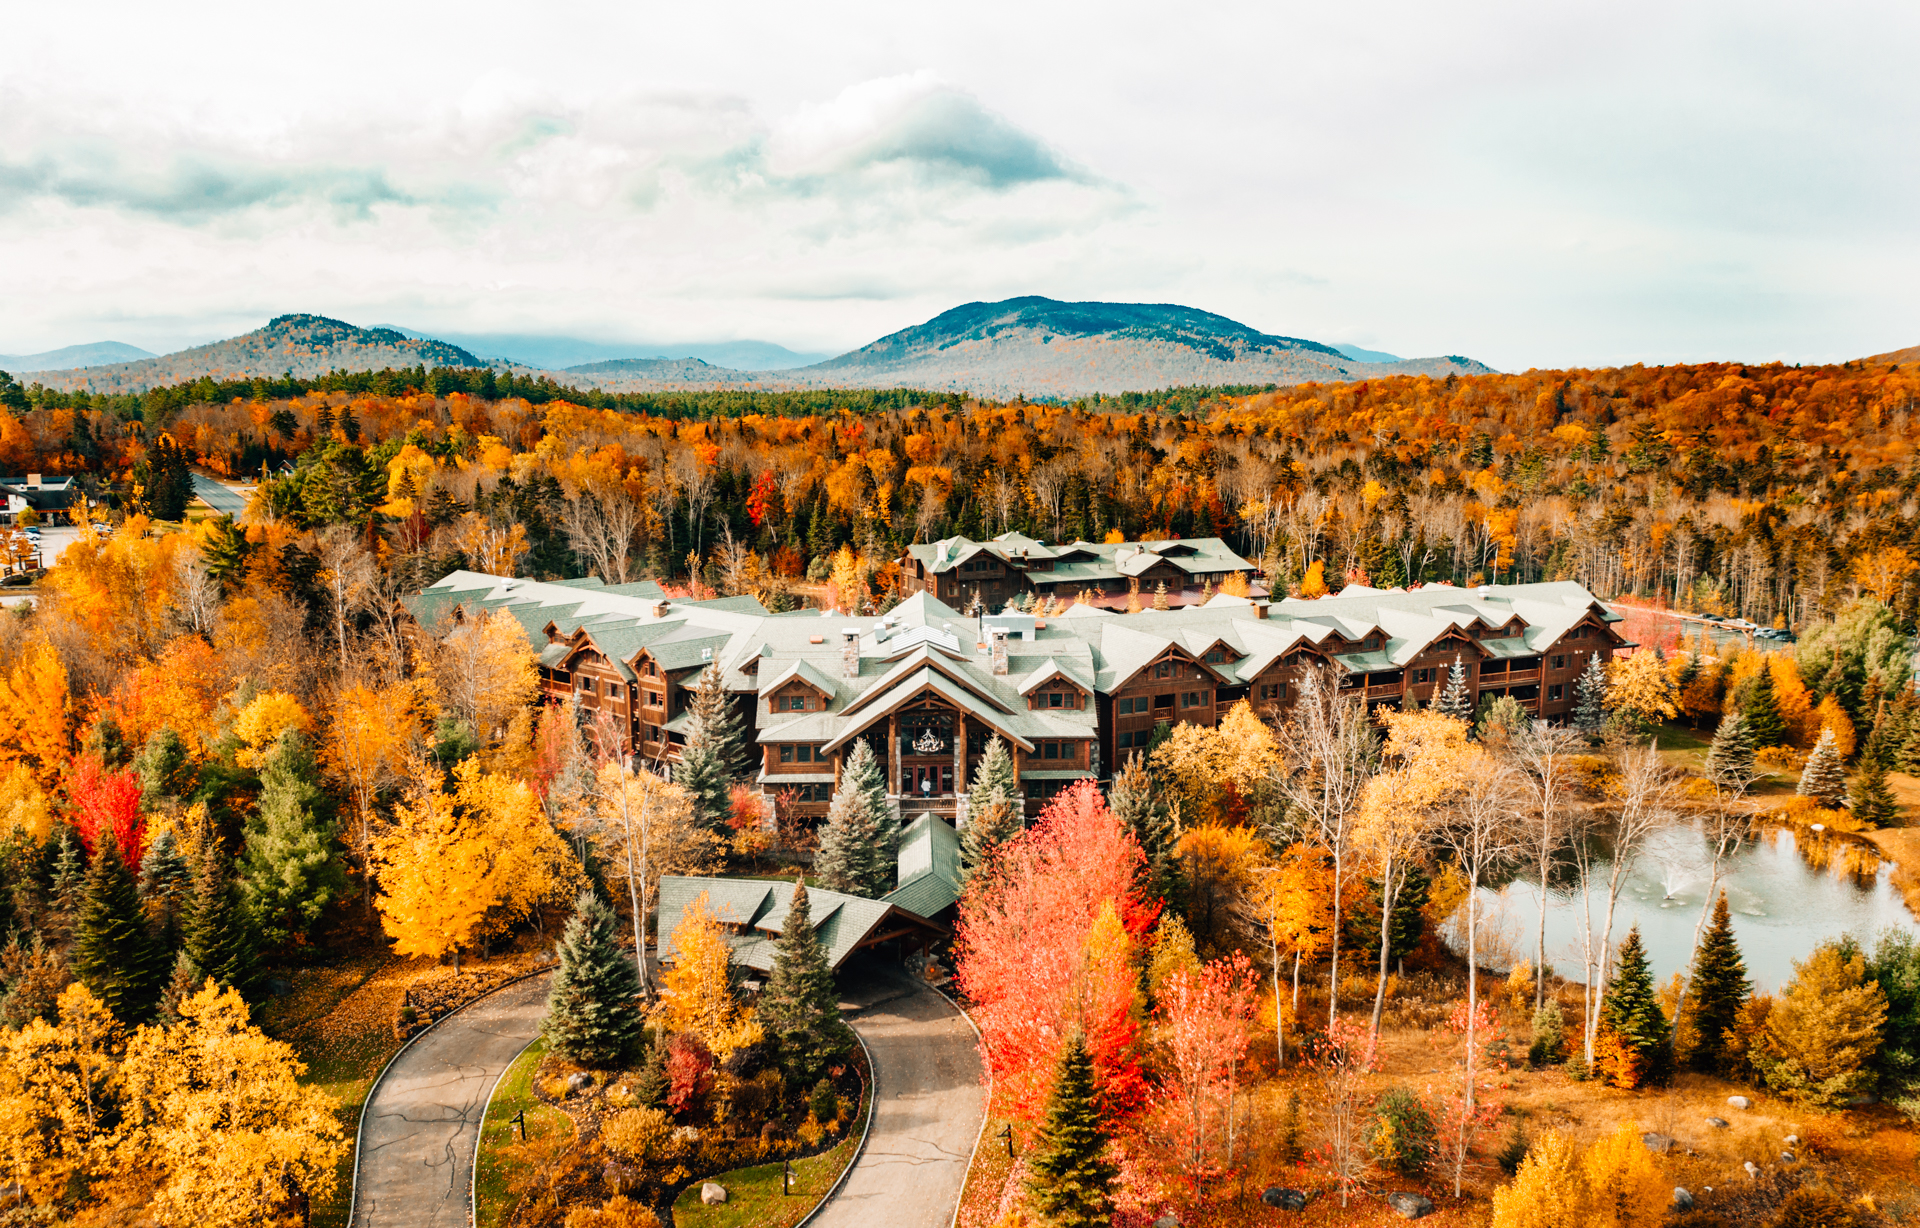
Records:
x=94, y=354
x=306, y=345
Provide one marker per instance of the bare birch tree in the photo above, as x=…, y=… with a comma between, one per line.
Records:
x=1643, y=805
x=1544, y=757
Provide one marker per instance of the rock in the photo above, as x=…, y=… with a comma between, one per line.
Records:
x=1286, y=1200
x=579, y=1081
x=1786, y=1157
x=1753, y=1170
x=1792, y=1140
x=1682, y=1199
x=621, y=1178
x=1658, y=1144
x=1862, y=1100
x=687, y=1135
x=1410, y=1206
x=1739, y=1102
x=1169, y=1220
x=713, y=1193
x=279, y=987
x=1718, y=1123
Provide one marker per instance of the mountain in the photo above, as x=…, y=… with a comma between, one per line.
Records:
x=684, y=372
x=1359, y=355
x=94, y=354
x=545, y=352
x=306, y=345
x=1910, y=354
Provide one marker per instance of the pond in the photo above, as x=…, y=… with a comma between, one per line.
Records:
x=1788, y=892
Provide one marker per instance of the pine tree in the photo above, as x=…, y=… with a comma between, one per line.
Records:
x=166, y=769
x=1590, y=697
x=1135, y=801
x=850, y=859
x=185, y=981
x=714, y=751
x=992, y=807
x=1824, y=778
x=1719, y=988
x=592, y=1017
x=1070, y=1181
x=113, y=956
x=1730, y=758
x=69, y=886
x=1762, y=712
x=1457, y=700
x=719, y=721
x=1871, y=799
x=166, y=885
x=214, y=936
x=288, y=874
x=1632, y=1012
x=800, y=1008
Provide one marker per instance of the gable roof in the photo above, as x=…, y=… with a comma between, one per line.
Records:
x=930, y=875
x=758, y=907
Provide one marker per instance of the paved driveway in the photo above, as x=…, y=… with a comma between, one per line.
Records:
x=417, y=1138
x=929, y=1099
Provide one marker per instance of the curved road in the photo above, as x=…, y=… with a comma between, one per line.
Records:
x=422, y=1122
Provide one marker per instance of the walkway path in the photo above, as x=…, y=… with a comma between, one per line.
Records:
x=927, y=1110
x=417, y=1137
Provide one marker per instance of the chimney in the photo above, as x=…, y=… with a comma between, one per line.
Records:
x=850, y=651
x=999, y=635
x=33, y=481
x=1486, y=591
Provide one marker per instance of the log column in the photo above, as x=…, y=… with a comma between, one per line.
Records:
x=959, y=754
x=893, y=755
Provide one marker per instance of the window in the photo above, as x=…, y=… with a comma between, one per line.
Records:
x=1049, y=750
x=1273, y=690
x=1196, y=699
x=1423, y=675
x=1215, y=657
x=1163, y=670
x=796, y=703
x=1560, y=662
x=799, y=752
x=1163, y=701
x=1056, y=700
x=1127, y=705
x=1556, y=692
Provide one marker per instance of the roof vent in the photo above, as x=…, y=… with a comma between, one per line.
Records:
x=1486, y=591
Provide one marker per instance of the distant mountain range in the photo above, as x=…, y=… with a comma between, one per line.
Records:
x=1037, y=347
x=545, y=352
x=98, y=354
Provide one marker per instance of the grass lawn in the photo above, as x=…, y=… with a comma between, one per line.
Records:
x=754, y=1199
x=492, y=1200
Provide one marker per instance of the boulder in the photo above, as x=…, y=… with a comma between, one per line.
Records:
x=1410, y=1206
x=621, y=1178
x=579, y=1081
x=1285, y=1199
x=278, y=986
x=1792, y=1140
x=1753, y=1170
x=1169, y=1220
x=1658, y=1144
x=1786, y=1157
x=1739, y=1102
x=1718, y=1123
x=713, y=1193
x=1682, y=1198
x=687, y=1135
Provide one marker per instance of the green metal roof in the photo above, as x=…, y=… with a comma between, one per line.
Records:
x=758, y=907
x=930, y=875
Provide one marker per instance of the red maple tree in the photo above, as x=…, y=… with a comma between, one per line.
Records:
x=106, y=801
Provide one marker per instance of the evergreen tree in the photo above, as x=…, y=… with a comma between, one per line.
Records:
x=1590, y=697
x=1762, y=712
x=1825, y=1029
x=1720, y=987
x=288, y=874
x=1406, y=924
x=993, y=808
x=166, y=885
x=719, y=721
x=800, y=1008
x=185, y=981
x=69, y=885
x=1135, y=800
x=715, y=750
x=1457, y=699
x=113, y=956
x=166, y=769
x=592, y=1017
x=1070, y=1181
x=1730, y=758
x=1632, y=1010
x=1871, y=799
x=1824, y=778
x=214, y=936
x=850, y=858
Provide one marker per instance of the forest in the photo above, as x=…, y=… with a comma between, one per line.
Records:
x=260, y=826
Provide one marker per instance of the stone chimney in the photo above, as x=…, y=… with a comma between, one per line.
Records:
x=850, y=651
x=999, y=635
x=33, y=481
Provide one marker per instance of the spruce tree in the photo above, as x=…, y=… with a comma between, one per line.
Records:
x=800, y=1008
x=215, y=936
x=166, y=769
x=1590, y=697
x=592, y=1017
x=850, y=856
x=992, y=808
x=870, y=777
x=1762, y=712
x=166, y=885
x=288, y=874
x=715, y=752
x=69, y=885
x=1456, y=700
x=1871, y=799
x=1720, y=987
x=185, y=981
x=113, y=956
x=1070, y=1179
x=1824, y=778
x=1632, y=1010
x=1730, y=758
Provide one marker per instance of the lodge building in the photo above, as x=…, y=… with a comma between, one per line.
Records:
x=955, y=570
x=926, y=686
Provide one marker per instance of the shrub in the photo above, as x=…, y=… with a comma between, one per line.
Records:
x=617, y=1212
x=823, y=1101
x=1549, y=1035
x=1813, y=1207
x=1400, y=1136
x=1513, y=1150
x=689, y=1070
x=639, y=1134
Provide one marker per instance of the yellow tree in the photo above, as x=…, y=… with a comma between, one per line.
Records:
x=1881, y=574
x=59, y=1097
x=1613, y=1184
x=218, y=1109
x=643, y=827
x=484, y=672
x=1202, y=763
x=261, y=722
x=23, y=804
x=1642, y=687
x=494, y=549
x=1295, y=903
x=35, y=717
x=1218, y=868
x=371, y=738
x=695, y=992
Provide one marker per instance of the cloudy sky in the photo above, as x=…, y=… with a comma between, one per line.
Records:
x=1529, y=184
